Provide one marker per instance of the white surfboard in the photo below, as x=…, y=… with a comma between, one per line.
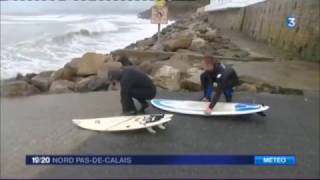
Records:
x=199, y=107
x=125, y=123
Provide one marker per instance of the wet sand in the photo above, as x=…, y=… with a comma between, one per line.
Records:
x=42, y=125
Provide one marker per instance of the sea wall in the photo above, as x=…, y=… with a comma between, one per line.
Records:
x=178, y=9
x=227, y=19
x=267, y=22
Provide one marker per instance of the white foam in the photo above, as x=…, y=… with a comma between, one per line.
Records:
x=96, y=26
x=45, y=18
x=45, y=53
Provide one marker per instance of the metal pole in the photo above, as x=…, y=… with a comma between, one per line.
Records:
x=159, y=26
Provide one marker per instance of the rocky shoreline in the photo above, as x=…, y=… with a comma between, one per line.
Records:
x=174, y=64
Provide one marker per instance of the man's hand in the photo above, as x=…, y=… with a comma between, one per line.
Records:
x=208, y=110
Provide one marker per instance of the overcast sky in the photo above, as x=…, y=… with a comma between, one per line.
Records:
x=72, y=6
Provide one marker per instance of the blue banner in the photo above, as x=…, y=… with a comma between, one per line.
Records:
x=158, y=160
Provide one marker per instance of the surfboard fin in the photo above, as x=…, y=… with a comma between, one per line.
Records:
x=262, y=114
x=161, y=126
x=151, y=130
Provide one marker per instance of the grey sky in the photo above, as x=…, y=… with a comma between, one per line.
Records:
x=72, y=6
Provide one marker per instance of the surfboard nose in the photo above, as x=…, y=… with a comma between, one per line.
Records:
x=76, y=121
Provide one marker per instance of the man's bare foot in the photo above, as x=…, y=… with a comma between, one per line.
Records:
x=204, y=99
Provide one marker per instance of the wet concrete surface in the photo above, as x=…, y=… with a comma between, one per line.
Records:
x=295, y=73
x=42, y=125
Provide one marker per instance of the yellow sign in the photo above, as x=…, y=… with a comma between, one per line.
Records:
x=159, y=15
x=160, y=3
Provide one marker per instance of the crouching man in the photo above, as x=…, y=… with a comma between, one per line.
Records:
x=134, y=84
x=225, y=77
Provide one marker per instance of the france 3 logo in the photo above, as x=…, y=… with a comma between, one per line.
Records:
x=291, y=22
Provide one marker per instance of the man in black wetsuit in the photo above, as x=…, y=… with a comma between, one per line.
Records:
x=134, y=84
x=225, y=77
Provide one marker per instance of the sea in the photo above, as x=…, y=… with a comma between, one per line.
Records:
x=35, y=43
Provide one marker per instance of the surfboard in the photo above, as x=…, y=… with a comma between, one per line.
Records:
x=199, y=107
x=125, y=123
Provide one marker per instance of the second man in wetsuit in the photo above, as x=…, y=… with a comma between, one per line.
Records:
x=225, y=77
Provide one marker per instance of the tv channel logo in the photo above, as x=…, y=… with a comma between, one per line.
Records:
x=291, y=22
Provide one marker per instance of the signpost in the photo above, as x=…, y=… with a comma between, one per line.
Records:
x=159, y=15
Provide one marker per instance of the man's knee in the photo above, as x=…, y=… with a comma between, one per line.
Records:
x=228, y=92
x=228, y=98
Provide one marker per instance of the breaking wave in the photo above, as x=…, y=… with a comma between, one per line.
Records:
x=59, y=38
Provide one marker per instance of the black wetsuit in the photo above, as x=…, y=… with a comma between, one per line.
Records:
x=135, y=84
x=225, y=77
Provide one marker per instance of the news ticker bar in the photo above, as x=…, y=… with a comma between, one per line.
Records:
x=282, y=160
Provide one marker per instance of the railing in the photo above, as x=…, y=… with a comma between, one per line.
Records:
x=224, y=4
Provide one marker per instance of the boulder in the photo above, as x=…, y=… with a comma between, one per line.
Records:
x=82, y=84
x=104, y=69
x=200, y=27
x=142, y=44
x=156, y=66
x=197, y=44
x=203, y=28
x=91, y=83
x=61, y=86
x=179, y=61
x=158, y=46
x=151, y=68
x=146, y=67
x=42, y=80
x=137, y=57
x=18, y=88
x=180, y=41
x=210, y=35
x=249, y=79
x=65, y=73
x=242, y=54
x=265, y=87
x=247, y=87
x=90, y=63
x=124, y=61
x=73, y=64
x=167, y=77
x=290, y=91
x=279, y=90
x=192, y=83
x=29, y=76
x=98, y=84
x=147, y=42
x=26, y=78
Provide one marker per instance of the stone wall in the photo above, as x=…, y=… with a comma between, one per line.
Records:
x=230, y=19
x=266, y=22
